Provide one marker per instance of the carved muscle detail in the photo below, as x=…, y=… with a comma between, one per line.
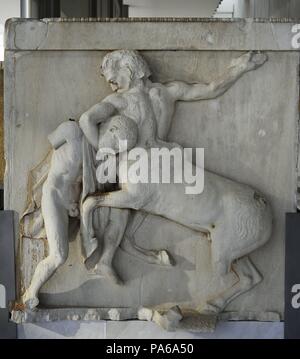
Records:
x=236, y=218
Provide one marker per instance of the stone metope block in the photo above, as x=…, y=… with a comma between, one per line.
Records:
x=249, y=133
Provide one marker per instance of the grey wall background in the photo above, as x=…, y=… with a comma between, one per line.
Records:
x=267, y=8
x=174, y=8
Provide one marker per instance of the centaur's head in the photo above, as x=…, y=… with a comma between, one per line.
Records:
x=123, y=69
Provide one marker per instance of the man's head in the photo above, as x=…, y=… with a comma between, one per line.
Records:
x=119, y=129
x=123, y=68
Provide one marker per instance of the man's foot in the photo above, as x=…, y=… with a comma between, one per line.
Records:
x=106, y=271
x=30, y=301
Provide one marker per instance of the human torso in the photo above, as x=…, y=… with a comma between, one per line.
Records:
x=65, y=170
x=151, y=108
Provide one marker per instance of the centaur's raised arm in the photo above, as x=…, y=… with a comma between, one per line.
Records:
x=182, y=91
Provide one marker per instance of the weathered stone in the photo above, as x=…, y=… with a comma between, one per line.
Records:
x=83, y=314
x=249, y=135
x=146, y=34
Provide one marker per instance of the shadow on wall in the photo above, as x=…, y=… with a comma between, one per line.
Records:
x=1, y=137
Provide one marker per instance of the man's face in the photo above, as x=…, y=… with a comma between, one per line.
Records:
x=109, y=139
x=118, y=78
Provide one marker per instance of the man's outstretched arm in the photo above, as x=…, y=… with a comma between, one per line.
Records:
x=182, y=91
x=90, y=120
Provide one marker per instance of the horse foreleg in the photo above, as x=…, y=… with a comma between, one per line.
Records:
x=160, y=257
x=122, y=199
x=116, y=199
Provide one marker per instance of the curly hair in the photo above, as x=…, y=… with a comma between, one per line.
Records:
x=136, y=64
x=124, y=129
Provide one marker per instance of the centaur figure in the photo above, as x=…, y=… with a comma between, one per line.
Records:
x=236, y=218
x=151, y=106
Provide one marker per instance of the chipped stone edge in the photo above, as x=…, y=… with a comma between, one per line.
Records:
x=84, y=314
x=250, y=316
x=201, y=323
x=41, y=315
x=160, y=19
x=276, y=36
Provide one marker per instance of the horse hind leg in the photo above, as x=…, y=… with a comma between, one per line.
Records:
x=247, y=277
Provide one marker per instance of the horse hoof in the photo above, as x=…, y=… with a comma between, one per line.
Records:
x=106, y=271
x=211, y=308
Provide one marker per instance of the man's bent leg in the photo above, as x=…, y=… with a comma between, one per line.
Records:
x=56, y=224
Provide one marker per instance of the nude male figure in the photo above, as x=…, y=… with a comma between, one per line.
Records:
x=60, y=200
x=151, y=106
